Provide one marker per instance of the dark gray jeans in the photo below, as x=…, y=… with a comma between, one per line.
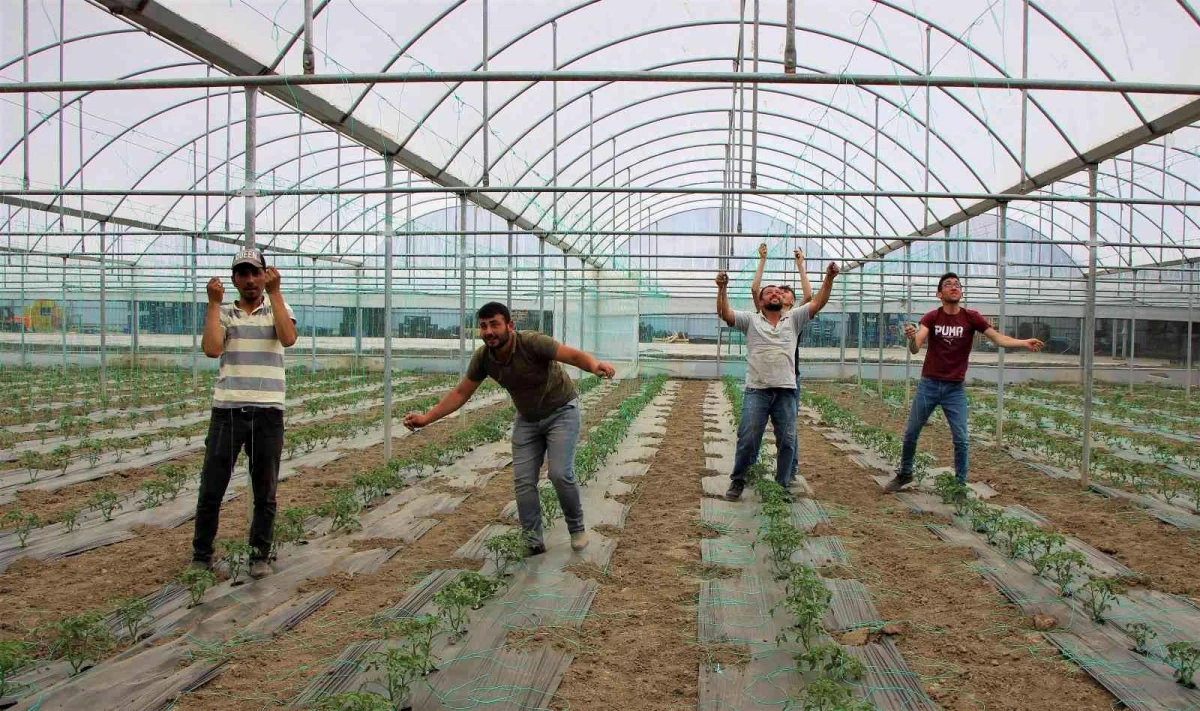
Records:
x=555, y=435
x=259, y=431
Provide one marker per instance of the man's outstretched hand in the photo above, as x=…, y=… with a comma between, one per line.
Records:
x=1034, y=344
x=415, y=421
x=604, y=370
x=832, y=270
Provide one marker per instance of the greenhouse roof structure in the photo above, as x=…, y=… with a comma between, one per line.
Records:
x=859, y=126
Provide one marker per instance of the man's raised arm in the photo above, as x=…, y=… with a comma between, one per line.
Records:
x=756, y=285
x=723, y=309
x=822, y=297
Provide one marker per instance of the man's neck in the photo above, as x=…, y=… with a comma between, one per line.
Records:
x=772, y=316
x=951, y=309
x=248, y=307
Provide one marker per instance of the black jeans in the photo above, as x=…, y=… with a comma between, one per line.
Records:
x=258, y=430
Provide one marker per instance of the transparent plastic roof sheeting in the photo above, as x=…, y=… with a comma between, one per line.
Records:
x=662, y=135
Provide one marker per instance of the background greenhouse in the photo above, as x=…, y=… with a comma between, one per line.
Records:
x=594, y=164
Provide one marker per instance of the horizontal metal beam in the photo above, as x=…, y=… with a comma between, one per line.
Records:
x=633, y=190
x=292, y=81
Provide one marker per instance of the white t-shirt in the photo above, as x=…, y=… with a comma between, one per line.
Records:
x=771, y=350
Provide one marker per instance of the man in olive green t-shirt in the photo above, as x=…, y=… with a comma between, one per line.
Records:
x=527, y=365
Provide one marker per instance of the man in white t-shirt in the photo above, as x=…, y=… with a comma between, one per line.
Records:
x=771, y=338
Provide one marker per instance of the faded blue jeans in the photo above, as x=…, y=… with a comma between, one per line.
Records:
x=532, y=440
x=759, y=405
x=953, y=398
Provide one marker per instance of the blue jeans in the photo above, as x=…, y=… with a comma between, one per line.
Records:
x=759, y=404
x=953, y=399
x=532, y=440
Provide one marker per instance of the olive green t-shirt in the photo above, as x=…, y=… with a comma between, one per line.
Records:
x=537, y=383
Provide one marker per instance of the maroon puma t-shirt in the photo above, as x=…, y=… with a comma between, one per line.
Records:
x=950, y=340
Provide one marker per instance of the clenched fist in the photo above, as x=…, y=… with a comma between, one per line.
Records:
x=604, y=370
x=762, y=250
x=216, y=291
x=910, y=331
x=832, y=270
x=722, y=280
x=415, y=421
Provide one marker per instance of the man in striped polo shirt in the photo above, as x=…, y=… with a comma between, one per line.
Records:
x=249, y=337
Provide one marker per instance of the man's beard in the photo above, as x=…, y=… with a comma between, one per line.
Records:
x=501, y=342
x=773, y=307
x=949, y=300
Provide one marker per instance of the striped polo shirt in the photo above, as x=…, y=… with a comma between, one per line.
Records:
x=252, y=372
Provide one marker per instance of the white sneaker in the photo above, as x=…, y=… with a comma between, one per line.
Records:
x=579, y=541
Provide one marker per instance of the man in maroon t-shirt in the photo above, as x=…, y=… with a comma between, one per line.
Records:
x=951, y=331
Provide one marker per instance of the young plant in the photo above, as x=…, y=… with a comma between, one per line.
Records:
x=951, y=490
x=356, y=701
x=782, y=538
x=833, y=662
x=22, y=523
x=132, y=612
x=60, y=458
x=196, y=581
x=289, y=527
x=807, y=599
x=1184, y=658
x=92, y=450
x=1014, y=534
x=105, y=502
x=1062, y=567
x=401, y=669
x=417, y=634
x=343, y=507
x=827, y=695
x=153, y=493
x=70, y=519
x=1141, y=633
x=1097, y=596
x=507, y=550
x=31, y=462
x=80, y=639
x=466, y=592
x=14, y=654
x=551, y=509
x=1040, y=543
x=236, y=555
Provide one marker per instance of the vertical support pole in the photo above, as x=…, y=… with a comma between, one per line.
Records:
x=1132, y=323
x=358, y=316
x=1024, y=92
x=541, y=281
x=554, y=167
x=591, y=221
x=103, y=318
x=310, y=62
x=907, y=315
x=312, y=316
x=408, y=225
x=192, y=289
x=1191, y=298
x=24, y=316
x=229, y=149
x=861, y=314
x=508, y=296
x=875, y=230
x=486, y=115
x=789, y=39
x=63, y=320
x=388, y=178
x=882, y=328
x=134, y=316
x=842, y=242
x=1001, y=284
x=462, y=285
x=754, y=109
x=24, y=111
x=251, y=142
x=1089, y=353
x=928, y=118
x=582, y=301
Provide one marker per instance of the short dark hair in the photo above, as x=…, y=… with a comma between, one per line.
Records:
x=788, y=289
x=947, y=275
x=493, y=308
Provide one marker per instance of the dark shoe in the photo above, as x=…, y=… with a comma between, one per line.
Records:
x=201, y=565
x=535, y=549
x=735, y=492
x=896, y=484
x=260, y=569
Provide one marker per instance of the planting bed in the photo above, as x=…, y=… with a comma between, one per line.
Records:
x=406, y=583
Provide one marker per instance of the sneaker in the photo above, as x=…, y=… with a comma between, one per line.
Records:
x=579, y=541
x=200, y=565
x=260, y=569
x=735, y=492
x=897, y=484
x=535, y=549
